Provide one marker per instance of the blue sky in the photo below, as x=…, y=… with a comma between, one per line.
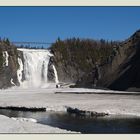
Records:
x=49, y=23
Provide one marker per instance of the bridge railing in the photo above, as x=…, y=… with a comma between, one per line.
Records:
x=24, y=44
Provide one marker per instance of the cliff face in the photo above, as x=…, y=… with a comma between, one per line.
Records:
x=87, y=63
x=128, y=73
x=118, y=67
x=74, y=58
x=8, y=65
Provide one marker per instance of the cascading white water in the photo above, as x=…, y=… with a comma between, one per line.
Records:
x=19, y=71
x=36, y=68
x=56, y=76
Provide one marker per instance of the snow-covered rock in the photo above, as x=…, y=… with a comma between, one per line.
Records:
x=6, y=56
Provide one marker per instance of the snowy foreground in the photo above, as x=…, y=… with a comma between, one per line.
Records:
x=11, y=125
x=65, y=97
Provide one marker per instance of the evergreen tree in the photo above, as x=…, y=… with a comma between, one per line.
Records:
x=58, y=39
x=7, y=41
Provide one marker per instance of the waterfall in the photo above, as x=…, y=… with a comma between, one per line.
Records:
x=56, y=76
x=19, y=71
x=36, y=68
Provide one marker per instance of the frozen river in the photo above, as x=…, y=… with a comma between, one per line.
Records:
x=116, y=104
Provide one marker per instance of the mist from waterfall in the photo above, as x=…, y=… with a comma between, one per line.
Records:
x=36, y=68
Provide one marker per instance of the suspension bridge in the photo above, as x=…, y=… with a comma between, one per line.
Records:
x=31, y=44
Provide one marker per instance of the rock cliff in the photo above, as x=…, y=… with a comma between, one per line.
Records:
x=8, y=65
x=99, y=64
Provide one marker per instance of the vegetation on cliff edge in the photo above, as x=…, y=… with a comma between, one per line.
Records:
x=85, y=53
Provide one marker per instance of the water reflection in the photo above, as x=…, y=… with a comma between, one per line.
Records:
x=102, y=125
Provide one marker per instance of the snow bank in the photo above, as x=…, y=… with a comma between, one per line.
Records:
x=25, y=119
x=9, y=125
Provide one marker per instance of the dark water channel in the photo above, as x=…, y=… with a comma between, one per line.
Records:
x=101, y=125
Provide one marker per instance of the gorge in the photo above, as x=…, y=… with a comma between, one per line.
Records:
x=86, y=63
